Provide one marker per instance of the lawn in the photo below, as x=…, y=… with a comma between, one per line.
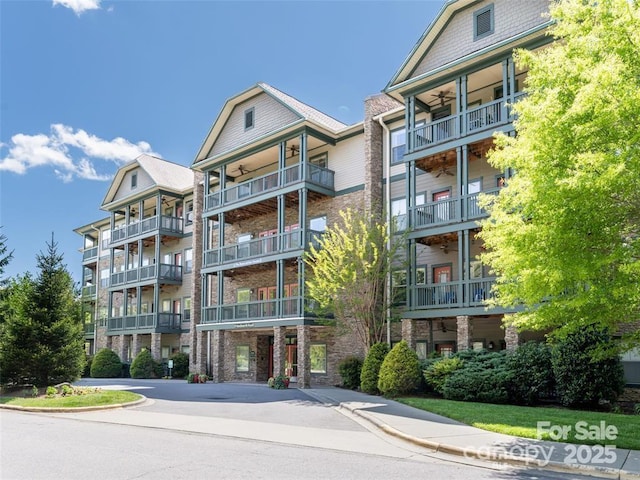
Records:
x=522, y=421
x=91, y=399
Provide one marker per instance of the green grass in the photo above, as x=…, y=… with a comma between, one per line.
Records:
x=100, y=398
x=522, y=421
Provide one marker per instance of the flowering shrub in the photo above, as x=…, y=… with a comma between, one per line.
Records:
x=197, y=378
x=279, y=383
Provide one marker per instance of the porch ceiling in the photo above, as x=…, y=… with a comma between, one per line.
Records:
x=446, y=161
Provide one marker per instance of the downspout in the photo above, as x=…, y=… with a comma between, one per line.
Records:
x=387, y=193
x=96, y=308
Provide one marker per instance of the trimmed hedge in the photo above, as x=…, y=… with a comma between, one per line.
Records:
x=371, y=367
x=106, y=364
x=180, y=365
x=350, y=369
x=400, y=371
x=437, y=373
x=531, y=373
x=143, y=366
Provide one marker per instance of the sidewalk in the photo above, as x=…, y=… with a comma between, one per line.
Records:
x=444, y=435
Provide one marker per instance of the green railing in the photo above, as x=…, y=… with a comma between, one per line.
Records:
x=473, y=292
x=147, y=321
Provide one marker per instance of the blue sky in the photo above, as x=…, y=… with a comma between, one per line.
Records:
x=87, y=85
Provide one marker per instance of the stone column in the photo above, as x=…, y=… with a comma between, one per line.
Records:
x=109, y=342
x=156, y=342
x=304, y=357
x=511, y=337
x=200, y=364
x=217, y=367
x=196, y=274
x=465, y=332
x=122, y=349
x=135, y=345
x=409, y=332
x=279, y=350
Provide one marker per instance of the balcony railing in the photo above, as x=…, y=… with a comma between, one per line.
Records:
x=260, y=247
x=89, y=292
x=146, y=321
x=470, y=121
x=449, y=210
x=90, y=254
x=165, y=223
x=474, y=292
x=161, y=272
x=270, y=182
x=259, y=310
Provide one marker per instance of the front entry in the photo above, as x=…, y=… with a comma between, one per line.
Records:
x=291, y=357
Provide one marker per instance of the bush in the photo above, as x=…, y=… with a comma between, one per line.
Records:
x=51, y=391
x=371, y=368
x=143, y=366
x=586, y=368
x=180, y=365
x=350, y=369
x=477, y=383
x=531, y=373
x=106, y=364
x=279, y=383
x=439, y=371
x=87, y=366
x=400, y=371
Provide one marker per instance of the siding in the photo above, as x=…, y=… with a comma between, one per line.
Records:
x=124, y=189
x=456, y=41
x=347, y=160
x=269, y=115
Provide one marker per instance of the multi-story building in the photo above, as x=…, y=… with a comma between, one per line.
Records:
x=209, y=260
x=456, y=87
x=138, y=262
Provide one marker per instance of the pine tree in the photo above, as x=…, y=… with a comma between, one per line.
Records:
x=42, y=338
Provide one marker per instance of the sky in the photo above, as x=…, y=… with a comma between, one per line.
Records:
x=88, y=85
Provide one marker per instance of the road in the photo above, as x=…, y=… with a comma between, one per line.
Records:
x=254, y=434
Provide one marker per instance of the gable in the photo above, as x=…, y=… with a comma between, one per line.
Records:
x=143, y=182
x=456, y=40
x=269, y=115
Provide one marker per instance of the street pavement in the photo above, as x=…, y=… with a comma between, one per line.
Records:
x=249, y=410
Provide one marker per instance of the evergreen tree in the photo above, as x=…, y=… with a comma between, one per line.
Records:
x=42, y=338
x=5, y=258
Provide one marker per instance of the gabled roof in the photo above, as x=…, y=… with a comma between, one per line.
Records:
x=301, y=110
x=164, y=174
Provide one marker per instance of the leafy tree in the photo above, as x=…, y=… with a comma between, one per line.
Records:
x=350, y=270
x=563, y=236
x=42, y=341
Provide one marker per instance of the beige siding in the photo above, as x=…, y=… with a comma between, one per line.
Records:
x=124, y=189
x=269, y=116
x=456, y=41
x=347, y=160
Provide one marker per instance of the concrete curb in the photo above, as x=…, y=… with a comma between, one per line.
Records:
x=489, y=456
x=141, y=400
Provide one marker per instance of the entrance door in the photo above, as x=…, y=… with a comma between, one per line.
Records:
x=444, y=293
x=265, y=294
x=290, y=358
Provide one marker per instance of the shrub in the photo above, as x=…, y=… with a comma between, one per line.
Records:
x=51, y=391
x=439, y=371
x=87, y=366
x=531, y=373
x=280, y=382
x=477, y=383
x=586, y=368
x=400, y=371
x=350, y=369
x=371, y=368
x=197, y=378
x=106, y=364
x=66, y=390
x=180, y=365
x=143, y=366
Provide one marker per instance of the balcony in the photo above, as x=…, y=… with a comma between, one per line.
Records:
x=149, y=322
x=89, y=292
x=264, y=246
x=90, y=255
x=288, y=307
x=164, y=272
x=448, y=211
x=163, y=223
x=271, y=182
x=474, y=292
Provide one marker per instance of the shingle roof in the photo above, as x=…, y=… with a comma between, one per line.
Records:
x=303, y=109
x=165, y=173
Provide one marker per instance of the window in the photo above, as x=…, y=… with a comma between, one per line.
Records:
x=320, y=160
x=421, y=275
x=186, y=312
x=421, y=349
x=104, y=277
x=106, y=238
x=134, y=180
x=188, y=260
x=318, y=354
x=249, y=119
x=242, y=358
x=186, y=349
x=483, y=23
x=165, y=351
x=189, y=215
x=399, y=287
x=318, y=224
x=399, y=210
x=398, y=145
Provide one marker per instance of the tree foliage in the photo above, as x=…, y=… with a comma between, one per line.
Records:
x=350, y=270
x=563, y=235
x=42, y=340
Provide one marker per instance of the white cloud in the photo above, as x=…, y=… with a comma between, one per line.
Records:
x=79, y=6
x=73, y=154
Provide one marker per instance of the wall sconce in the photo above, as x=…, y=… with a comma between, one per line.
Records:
x=491, y=345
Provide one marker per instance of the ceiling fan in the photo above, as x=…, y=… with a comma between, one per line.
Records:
x=241, y=168
x=446, y=248
x=442, y=97
x=443, y=169
x=294, y=149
